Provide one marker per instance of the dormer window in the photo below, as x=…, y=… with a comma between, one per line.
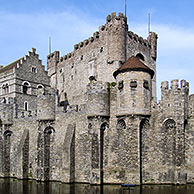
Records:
x=34, y=70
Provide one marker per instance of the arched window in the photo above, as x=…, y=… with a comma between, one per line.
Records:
x=121, y=124
x=140, y=57
x=25, y=87
x=26, y=106
x=169, y=124
x=40, y=86
x=5, y=88
x=49, y=130
x=40, y=89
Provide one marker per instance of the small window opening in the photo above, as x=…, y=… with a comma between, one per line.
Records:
x=146, y=84
x=140, y=57
x=101, y=49
x=5, y=88
x=40, y=87
x=25, y=106
x=33, y=69
x=120, y=86
x=25, y=88
x=121, y=124
x=133, y=84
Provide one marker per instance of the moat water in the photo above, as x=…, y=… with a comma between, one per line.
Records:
x=14, y=186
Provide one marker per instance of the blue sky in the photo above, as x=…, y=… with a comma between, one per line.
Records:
x=28, y=23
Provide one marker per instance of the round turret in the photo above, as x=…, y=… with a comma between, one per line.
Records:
x=46, y=105
x=117, y=29
x=134, y=88
x=98, y=99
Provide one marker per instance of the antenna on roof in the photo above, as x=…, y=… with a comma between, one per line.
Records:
x=49, y=45
x=126, y=30
x=125, y=8
x=149, y=23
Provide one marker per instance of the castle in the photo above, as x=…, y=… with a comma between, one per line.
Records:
x=94, y=117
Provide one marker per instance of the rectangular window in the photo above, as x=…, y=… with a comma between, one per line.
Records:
x=25, y=106
x=34, y=70
x=146, y=84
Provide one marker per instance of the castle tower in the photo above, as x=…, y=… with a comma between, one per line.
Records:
x=134, y=88
x=98, y=121
x=117, y=29
x=174, y=106
x=45, y=118
x=152, y=39
x=133, y=104
x=52, y=61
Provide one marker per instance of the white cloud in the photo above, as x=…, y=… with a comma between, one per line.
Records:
x=20, y=32
x=175, y=52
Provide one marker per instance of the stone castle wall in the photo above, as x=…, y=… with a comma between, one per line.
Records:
x=98, y=57
x=90, y=122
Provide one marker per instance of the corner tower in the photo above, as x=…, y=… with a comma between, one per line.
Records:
x=134, y=91
x=117, y=31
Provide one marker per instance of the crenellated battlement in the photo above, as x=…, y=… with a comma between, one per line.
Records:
x=53, y=56
x=87, y=42
x=152, y=39
x=174, y=98
x=113, y=16
x=112, y=20
x=174, y=85
x=52, y=61
x=139, y=39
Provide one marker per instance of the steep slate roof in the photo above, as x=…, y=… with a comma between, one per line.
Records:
x=133, y=64
x=10, y=66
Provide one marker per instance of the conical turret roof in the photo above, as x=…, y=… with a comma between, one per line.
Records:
x=133, y=64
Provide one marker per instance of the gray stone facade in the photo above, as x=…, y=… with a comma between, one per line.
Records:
x=89, y=126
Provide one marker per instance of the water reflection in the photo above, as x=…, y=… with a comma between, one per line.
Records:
x=14, y=186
